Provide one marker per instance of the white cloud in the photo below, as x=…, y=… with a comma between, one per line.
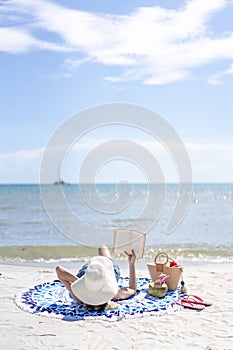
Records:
x=217, y=78
x=151, y=44
x=21, y=155
x=15, y=41
x=230, y=69
x=210, y=162
x=20, y=166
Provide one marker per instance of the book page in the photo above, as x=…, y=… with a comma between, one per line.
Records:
x=127, y=240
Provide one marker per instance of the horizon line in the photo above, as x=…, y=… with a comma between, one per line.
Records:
x=115, y=183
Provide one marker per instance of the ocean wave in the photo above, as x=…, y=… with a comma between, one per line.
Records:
x=76, y=254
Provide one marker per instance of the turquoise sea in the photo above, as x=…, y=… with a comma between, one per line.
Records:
x=27, y=234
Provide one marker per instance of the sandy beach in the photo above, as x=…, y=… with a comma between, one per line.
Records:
x=211, y=328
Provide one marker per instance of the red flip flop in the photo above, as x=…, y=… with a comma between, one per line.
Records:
x=189, y=305
x=196, y=300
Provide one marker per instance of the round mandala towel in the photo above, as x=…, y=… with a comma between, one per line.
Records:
x=51, y=299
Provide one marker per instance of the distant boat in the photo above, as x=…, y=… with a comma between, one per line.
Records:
x=60, y=182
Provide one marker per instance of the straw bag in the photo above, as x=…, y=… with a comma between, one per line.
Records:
x=157, y=268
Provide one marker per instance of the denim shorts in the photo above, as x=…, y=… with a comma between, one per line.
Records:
x=115, y=267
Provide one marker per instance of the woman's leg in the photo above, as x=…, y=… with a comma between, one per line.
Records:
x=67, y=278
x=104, y=251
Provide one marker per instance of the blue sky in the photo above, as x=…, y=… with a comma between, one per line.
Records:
x=58, y=58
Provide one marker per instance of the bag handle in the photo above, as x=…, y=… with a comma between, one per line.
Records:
x=163, y=254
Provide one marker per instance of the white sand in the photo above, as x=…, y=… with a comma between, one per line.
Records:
x=211, y=328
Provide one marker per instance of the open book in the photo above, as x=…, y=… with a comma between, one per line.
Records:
x=127, y=240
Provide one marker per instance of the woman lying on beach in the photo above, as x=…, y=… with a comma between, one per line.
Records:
x=96, y=282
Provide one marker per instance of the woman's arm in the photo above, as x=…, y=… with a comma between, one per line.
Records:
x=125, y=293
x=132, y=270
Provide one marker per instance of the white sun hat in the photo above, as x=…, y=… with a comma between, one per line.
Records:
x=99, y=284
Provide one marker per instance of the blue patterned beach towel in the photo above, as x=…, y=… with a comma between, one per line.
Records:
x=51, y=299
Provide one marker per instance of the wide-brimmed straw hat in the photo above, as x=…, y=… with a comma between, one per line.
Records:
x=99, y=284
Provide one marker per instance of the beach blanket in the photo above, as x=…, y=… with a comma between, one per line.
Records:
x=51, y=299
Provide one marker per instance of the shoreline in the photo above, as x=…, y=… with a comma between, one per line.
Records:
x=50, y=256
x=122, y=262
x=185, y=329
